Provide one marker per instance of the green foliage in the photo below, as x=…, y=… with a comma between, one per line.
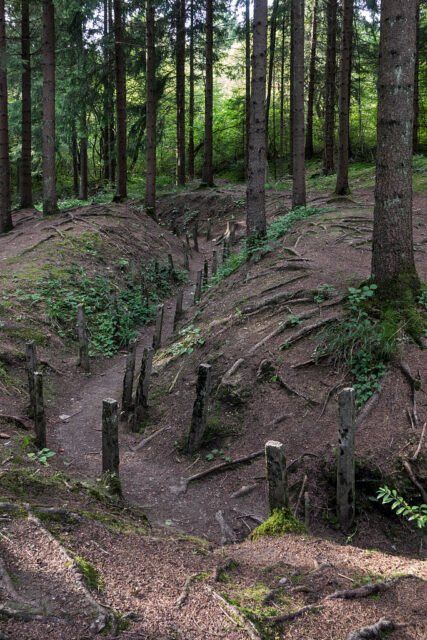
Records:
x=324, y=292
x=189, y=338
x=417, y=513
x=92, y=578
x=280, y=522
x=42, y=456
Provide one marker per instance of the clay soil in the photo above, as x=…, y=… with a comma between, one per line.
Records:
x=144, y=570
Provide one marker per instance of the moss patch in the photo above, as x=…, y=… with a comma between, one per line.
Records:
x=280, y=522
x=92, y=578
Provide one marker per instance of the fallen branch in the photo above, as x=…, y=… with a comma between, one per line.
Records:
x=411, y=474
x=148, y=439
x=375, y=630
x=186, y=590
x=305, y=331
x=18, y=422
x=236, y=615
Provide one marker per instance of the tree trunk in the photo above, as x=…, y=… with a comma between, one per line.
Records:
x=392, y=248
x=247, y=83
x=297, y=90
x=121, y=187
x=207, y=174
x=342, y=186
x=191, y=98
x=309, y=151
x=74, y=152
x=272, y=49
x=282, y=96
x=416, y=84
x=26, y=193
x=111, y=131
x=330, y=77
x=5, y=214
x=255, y=194
x=180, y=92
x=49, y=169
x=150, y=83
x=106, y=94
x=83, y=193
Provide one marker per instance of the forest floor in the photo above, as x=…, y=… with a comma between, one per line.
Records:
x=236, y=327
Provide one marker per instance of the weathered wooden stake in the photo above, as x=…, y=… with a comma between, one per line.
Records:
x=83, y=339
x=196, y=236
x=225, y=252
x=178, y=308
x=157, y=337
x=205, y=273
x=141, y=396
x=129, y=375
x=31, y=360
x=187, y=242
x=39, y=415
x=233, y=233
x=198, y=419
x=208, y=231
x=277, y=477
x=171, y=266
x=156, y=268
x=345, y=466
x=110, y=436
x=214, y=263
x=198, y=289
x=186, y=260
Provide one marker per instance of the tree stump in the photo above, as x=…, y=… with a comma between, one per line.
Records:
x=198, y=289
x=157, y=337
x=277, y=477
x=198, y=419
x=39, y=414
x=31, y=361
x=129, y=376
x=110, y=436
x=83, y=339
x=345, y=463
x=141, y=396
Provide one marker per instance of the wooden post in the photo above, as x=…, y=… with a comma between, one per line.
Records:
x=39, y=415
x=208, y=231
x=141, y=397
x=186, y=260
x=205, y=273
x=345, y=463
x=157, y=337
x=198, y=419
x=171, y=267
x=129, y=375
x=277, y=477
x=156, y=268
x=83, y=340
x=198, y=289
x=31, y=360
x=110, y=436
x=233, y=233
x=225, y=253
x=187, y=243
x=196, y=236
x=214, y=263
x=178, y=308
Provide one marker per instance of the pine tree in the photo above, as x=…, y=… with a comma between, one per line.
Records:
x=180, y=91
x=309, y=150
x=150, y=90
x=297, y=90
x=330, y=78
x=49, y=166
x=26, y=194
x=207, y=173
x=5, y=214
x=342, y=186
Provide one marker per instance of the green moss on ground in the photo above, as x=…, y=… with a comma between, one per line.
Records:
x=92, y=578
x=280, y=522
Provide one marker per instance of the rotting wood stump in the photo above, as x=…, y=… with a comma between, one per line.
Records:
x=110, y=436
x=277, y=477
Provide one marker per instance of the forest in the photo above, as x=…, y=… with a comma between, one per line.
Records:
x=213, y=319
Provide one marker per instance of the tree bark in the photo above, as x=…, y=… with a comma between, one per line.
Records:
x=150, y=83
x=121, y=187
x=392, y=249
x=297, y=90
x=309, y=151
x=416, y=84
x=26, y=193
x=111, y=131
x=180, y=92
x=83, y=188
x=273, y=26
x=342, y=186
x=255, y=194
x=191, y=98
x=207, y=173
x=74, y=151
x=5, y=214
x=330, y=77
x=49, y=169
x=282, y=97
x=247, y=83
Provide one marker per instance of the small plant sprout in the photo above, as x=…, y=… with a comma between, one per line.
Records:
x=42, y=456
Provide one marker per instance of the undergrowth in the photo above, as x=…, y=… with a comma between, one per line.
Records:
x=280, y=522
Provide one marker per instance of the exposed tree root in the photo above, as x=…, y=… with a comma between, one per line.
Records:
x=227, y=534
x=282, y=327
x=17, y=421
x=374, y=630
x=282, y=284
x=280, y=297
x=34, y=246
x=142, y=444
x=306, y=331
x=183, y=596
x=413, y=478
x=294, y=392
x=236, y=615
x=288, y=617
x=367, y=589
x=420, y=444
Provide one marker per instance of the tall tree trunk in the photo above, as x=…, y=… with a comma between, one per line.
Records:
x=180, y=92
x=207, y=173
x=309, y=151
x=111, y=131
x=297, y=90
x=247, y=83
x=106, y=92
x=255, y=193
x=49, y=169
x=150, y=91
x=330, y=78
x=74, y=151
x=5, y=214
x=282, y=96
x=392, y=248
x=291, y=103
x=342, y=186
x=83, y=192
x=416, y=84
x=121, y=187
x=26, y=192
x=273, y=26
x=191, y=98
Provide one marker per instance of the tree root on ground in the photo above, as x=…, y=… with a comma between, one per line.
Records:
x=368, y=589
x=414, y=480
x=280, y=297
x=288, y=617
x=279, y=286
x=148, y=439
x=17, y=421
x=293, y=392
x=374, y=630
x=306, y=331
x=367, y=409
x=183, y=596
x=236, y=616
